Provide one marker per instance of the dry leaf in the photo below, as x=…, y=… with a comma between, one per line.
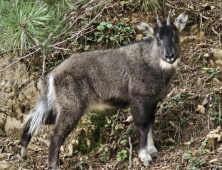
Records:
x=200, y=109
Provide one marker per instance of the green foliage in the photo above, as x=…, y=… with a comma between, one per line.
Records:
x=121, y=155
x=210, y=70
x=183, y=120
x=203, y=143
x=177, y=99
x=51, y=64
x=95, y=135
x=216, y=117
x=24, y=25
x=81, y=46
x=26, y=163
x=124, y=142
x=103, y=156
x=193, y=162
x=92, y=132
x=98, y=119
x=84, y=161
x=215, y=110
x=30, y=24
x=110, y=32
x=200, y=55
x=145, y=5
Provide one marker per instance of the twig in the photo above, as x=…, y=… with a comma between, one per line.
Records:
x=117, y=43
x=50, y=37
x=43, y=63
x=20, y=59
x=209, y=78
x=130, y=155
x=59, y=48
x=218, y=34
x=82, y=8
x=203, y=45
x=79, y=32
x=179, y=8
x=76, y=19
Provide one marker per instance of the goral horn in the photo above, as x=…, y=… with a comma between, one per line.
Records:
x=159, y=22
x=168, y=20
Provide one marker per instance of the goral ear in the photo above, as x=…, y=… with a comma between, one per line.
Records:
x=181, y=21
x=145, y=28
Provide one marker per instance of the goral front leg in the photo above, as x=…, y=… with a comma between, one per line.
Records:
x=150, y=144
x=141, y=112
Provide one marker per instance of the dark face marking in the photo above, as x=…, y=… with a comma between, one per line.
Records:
x=167, y=40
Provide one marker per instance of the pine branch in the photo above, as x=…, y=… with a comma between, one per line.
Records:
x=65, y=20
x=79, y=32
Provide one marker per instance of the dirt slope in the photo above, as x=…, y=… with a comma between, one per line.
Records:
x=184, y=119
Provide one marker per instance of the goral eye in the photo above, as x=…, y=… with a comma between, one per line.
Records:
x=157, y=38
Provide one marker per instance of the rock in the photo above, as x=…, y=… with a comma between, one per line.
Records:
x=216, y=56
x=3, y=83
x=4, y=165
x=30, y=93
x=216, y=82
x=218, y=130
x=216, y=53
x=211, y=62
x=62, y=149
x=218, y=62
x=12, y=123
x=75, y=142
x=2, y=156
x=213, y=135
x=70, y=149
x=14, y=102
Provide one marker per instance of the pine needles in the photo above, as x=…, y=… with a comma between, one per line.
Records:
x=33, y=24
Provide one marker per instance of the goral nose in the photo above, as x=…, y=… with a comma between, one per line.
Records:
x=169, y=56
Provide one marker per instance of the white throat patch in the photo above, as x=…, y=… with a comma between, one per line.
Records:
x=165, y=65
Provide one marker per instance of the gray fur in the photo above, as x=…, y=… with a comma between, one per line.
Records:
x=137, y=75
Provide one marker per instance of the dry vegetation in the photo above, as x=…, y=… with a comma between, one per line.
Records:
x=184, y=119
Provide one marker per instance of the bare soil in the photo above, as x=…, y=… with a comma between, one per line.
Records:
x=183, y=120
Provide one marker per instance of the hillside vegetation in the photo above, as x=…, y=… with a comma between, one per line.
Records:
x=38, y=35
